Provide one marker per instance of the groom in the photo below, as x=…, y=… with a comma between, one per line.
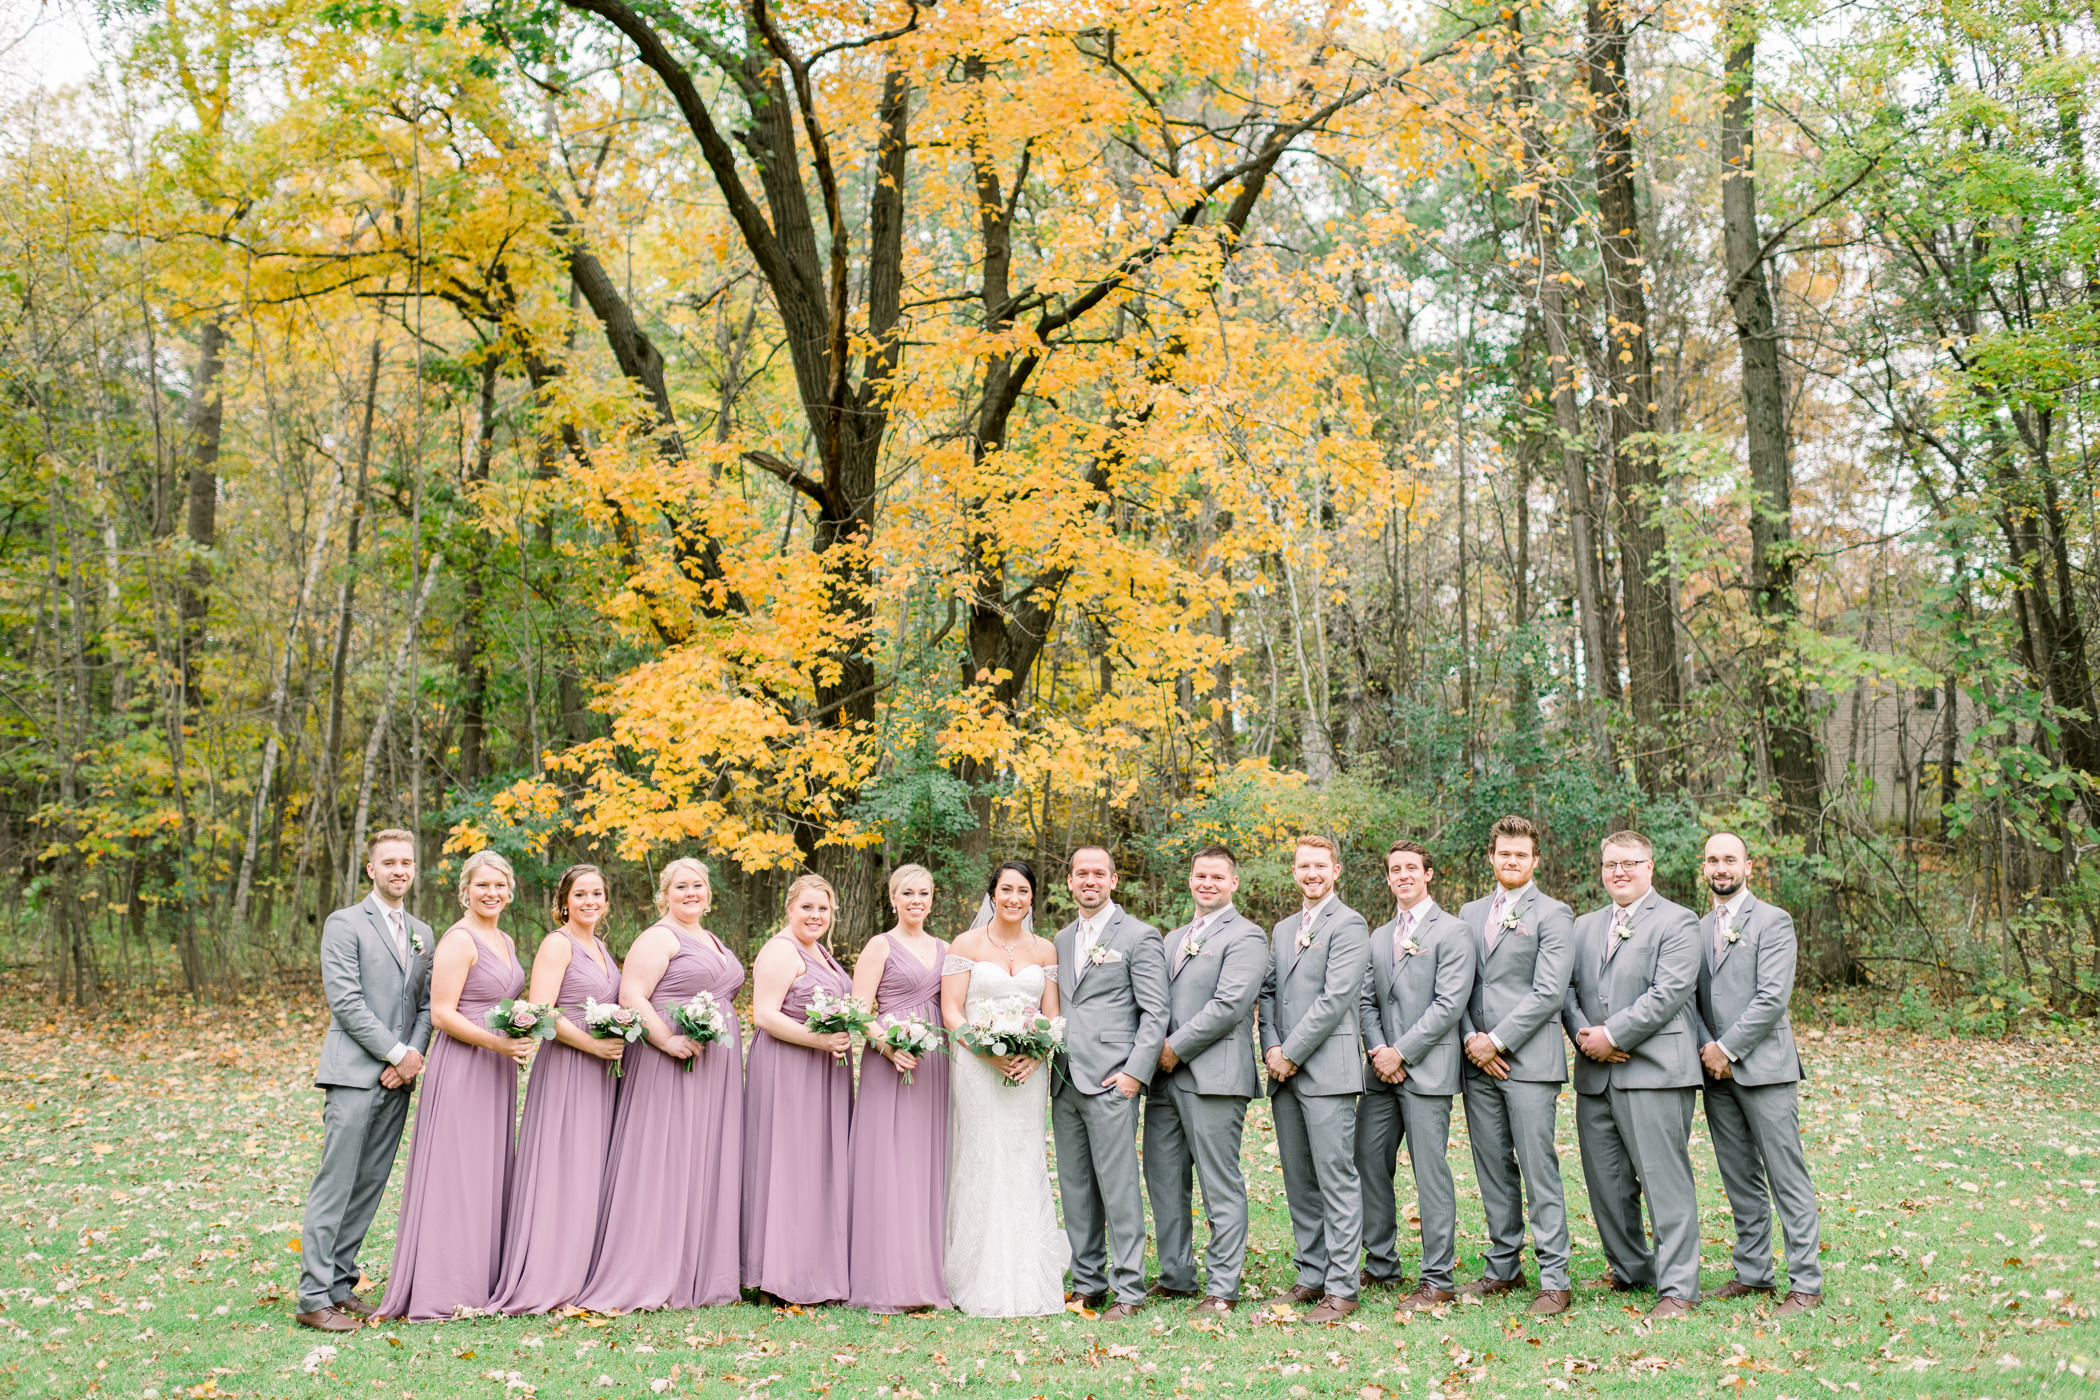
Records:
x=1112, y=988
x=375, y=970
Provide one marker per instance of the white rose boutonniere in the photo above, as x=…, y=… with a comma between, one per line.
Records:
x=1101, y=953
x=1193, y=946
x=1410, y=947
x=1730, y=933
x=1512, y=924
x=417, y=945
x=1622, y=931
x=1305, y=939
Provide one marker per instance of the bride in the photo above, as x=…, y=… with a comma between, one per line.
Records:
x=1006, y=1253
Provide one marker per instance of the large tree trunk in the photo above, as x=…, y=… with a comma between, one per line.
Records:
x=1653, y=676
x=203, y=423
x=471, y=651
x=1585, y=527
x=1782, y=700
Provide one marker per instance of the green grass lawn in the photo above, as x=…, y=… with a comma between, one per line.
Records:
x=154, y=1172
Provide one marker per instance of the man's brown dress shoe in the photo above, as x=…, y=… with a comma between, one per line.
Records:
x=355, y=1306
x=1551, y=1302
x=1492, y=1287
x=1666, y=1308
x=1121, y=1311
x=1800, y=1303
x=1424, y=1297
x=1160, y=1290
x=1298, y=1293
x=1734, y=1289
x=1215, y=1304
x=1367, y=1279
x=1332, y=1309
x=1087, y=1300
x=328, y=1319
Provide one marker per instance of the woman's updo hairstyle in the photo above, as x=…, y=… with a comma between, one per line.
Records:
x=903, y=873
x=476, y=862
x=1019, y=867
x=569, y=877
x=680, y=866
x=802, y=885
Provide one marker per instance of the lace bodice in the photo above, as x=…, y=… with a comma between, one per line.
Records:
x=989, y=981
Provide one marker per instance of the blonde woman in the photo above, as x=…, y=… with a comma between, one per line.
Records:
x=798, y=1111
x=450, y=1246
x=900, y=1129
x=552, y=1221
x=667, y=1230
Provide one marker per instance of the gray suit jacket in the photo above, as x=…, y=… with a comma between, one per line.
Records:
x=375, y=1001
x=1521, y=986
x=1311, y=997
x=1642, y=996
x=1211, y=1019
x=1414, y=1004
x=1116, y=1013
x=1743, y=994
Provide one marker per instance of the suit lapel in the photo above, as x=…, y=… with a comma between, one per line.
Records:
x=1067, y=965
x=1749, y=910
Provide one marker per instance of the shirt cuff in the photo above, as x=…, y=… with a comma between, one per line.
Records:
x=1732, y=1058
x=1496, y=1041
x=1606, y=1033
x=396, y=1055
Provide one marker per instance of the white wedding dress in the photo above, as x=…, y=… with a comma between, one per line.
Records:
x=1006, y=1253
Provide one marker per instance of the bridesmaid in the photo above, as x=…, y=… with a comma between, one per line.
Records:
x=667, y=1221
x=798, y=1112
x=900, y=1131
x=554, y=1187
x=450, y=1243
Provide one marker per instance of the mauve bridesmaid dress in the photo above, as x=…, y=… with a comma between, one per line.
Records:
x=900, y=1154
x=798, y=1115
x=667, y=1223
x=560, y=1167
x=450, y=1244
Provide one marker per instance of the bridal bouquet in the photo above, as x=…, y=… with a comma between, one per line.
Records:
x=698, y=1019
x=1012, y=1026
x=829, y=1014
x=519, y=1019
x=910, y=1035
x=613, y=1022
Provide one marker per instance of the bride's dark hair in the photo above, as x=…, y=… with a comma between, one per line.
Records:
x=1019, y=867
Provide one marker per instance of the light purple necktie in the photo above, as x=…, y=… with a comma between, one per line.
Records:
x=1621, y=917
x=1188, y=936
x=1405, y=927
x=1720, y=927
x=1494, y=926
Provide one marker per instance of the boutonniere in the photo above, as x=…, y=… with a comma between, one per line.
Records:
x=1730, y=933
x=1512, y=924
x=1410, y=947
x=1305, y=939
x=1622, y=931
x=1101, y=953
x=416, y=944
x=1193, y=946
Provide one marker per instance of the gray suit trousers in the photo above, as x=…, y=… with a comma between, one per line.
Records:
x=1635, y=1143
x=1185, y=1130
x=1511, y=1124
x=1097, y=1179
x=360, y=1132
x=1756, y=1131
x=1424, y=1120
x=1316, y=1138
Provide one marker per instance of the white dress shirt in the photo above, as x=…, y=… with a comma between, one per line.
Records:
x=1091, y=927
x=395, y=920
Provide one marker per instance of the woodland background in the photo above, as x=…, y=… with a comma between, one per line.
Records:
x=833, y=434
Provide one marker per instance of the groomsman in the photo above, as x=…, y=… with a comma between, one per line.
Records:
x=1197, y=1104
x=375, y=971
x=1312, y=1047
x=1515, y=1065
x=1421, y=971
x=1629, y=1011
x=1753, y=1074
x=1112, y=986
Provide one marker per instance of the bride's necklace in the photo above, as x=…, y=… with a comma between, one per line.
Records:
x=1008, y=949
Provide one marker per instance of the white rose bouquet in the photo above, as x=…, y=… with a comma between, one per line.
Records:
x=1012, y=1026
x=612, y=1021
x=698, y=1019
x=519, y=1019
x=908, y=1035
